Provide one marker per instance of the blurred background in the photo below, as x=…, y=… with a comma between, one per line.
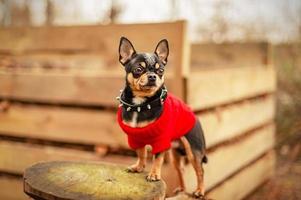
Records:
x=217, y=21
x=221, y=33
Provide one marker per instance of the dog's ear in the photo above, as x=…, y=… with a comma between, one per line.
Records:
x=126, y=50
x=162, y=50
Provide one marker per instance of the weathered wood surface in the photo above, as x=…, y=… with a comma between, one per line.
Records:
x=66, y=62
x=97, y=127
x=223, y=123
x=70, y=125
x=87, y=180
x=254, y=175
x=208, y=55
x=78, y=88
x=99, y=40
x=233, y=155
x=12, y=189
x=208, y=88
x=97, y=37
x=246, y=181
x=32, y=154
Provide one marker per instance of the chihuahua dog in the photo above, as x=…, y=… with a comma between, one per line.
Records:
x=149, y=115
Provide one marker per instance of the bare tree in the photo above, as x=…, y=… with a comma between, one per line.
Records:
x=113, y=12
x=6, y=14
x=219, y=27
x=49, y=12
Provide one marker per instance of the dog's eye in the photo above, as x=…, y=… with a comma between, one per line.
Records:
x=138, y=70
x=160, y=71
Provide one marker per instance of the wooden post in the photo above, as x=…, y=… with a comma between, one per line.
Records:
x=182, y=67
x=62, y=180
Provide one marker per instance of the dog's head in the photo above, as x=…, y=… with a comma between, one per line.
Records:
x=144, y=71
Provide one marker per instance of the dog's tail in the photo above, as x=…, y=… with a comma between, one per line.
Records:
x=205, y=159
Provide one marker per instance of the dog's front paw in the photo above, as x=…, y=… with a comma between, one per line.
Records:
x=135, y=169
x=199, y=194
x=153, y=177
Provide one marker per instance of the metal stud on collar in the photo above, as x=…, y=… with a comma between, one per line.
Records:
x=148, y=106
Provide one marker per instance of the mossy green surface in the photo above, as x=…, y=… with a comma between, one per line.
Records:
x=90, y=180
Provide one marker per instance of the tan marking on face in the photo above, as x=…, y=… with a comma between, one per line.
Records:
x=131, y=80
x=135, y=83
x=160, y=81
x=142, y=80
x=143, y=64
x=139, y=88
x=157, y=65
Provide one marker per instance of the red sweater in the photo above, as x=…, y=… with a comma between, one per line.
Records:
x=176, y=120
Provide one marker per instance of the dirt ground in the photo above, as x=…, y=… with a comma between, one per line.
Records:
x=286, y=183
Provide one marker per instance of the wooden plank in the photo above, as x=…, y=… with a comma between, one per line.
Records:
x=181, y=69
x=78, y=88
x=243, y=183
x=228, y=159
x=12, y=189
x=233, y=156
x=209, y=88
x=100, y=127
x=82, y=60
x=227, y=122
x=31, y=154
x=62, y=124
x=210, y=55
x=184, y=69
x=61, y=88
x=104, y=39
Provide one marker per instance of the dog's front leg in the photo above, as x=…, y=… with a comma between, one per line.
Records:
x=155, y=172
x=141, y=162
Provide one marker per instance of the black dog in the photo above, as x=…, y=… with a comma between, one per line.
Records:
x=151, y=116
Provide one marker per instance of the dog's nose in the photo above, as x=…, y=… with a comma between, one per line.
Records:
x=151, y=78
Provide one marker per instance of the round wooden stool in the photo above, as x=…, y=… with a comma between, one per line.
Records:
x=63, y=180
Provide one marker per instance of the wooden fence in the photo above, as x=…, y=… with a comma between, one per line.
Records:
x=58, y=87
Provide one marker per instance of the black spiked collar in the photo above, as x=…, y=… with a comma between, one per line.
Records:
x=143, y=106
